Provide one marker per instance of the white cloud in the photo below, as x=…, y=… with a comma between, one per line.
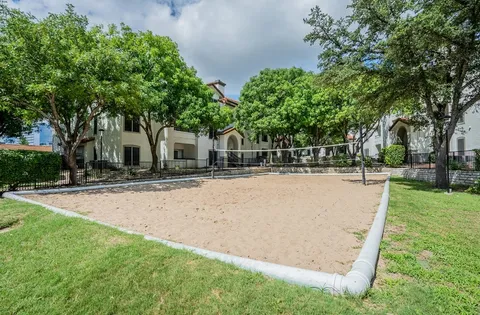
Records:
x=223, y=39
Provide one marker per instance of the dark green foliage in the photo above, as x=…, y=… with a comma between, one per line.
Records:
x=341, y=160
x=368, y=161
x=457, y=166
x=394, y=155
x=475, y=188
x=20, y=167
x=381, y=156
x=476, y=165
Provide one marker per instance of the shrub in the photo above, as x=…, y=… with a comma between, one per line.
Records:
x=394, y=155
x=457, y=166
x=475, y=188
x=476, y=162
x=21, y=167
x=368, y=161
x=381, y=156
x=341, y=160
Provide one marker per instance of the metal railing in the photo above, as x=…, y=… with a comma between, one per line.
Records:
x=468, y=160
x=95, y=172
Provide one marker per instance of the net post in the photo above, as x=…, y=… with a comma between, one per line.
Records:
x=213, y=156
x=364, y=181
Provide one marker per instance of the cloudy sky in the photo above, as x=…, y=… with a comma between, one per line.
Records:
x=230, y=40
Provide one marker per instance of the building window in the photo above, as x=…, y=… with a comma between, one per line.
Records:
x=132, y=124
x=366, y=152
x=95, y=125
x=178, y=154
x=264, y=138
x=131, y=156
x=243, y=141
x=264, y=153
x=461, y=146
x=258, y=139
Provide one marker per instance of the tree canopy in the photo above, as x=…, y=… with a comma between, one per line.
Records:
x=170, y=92
x=268, y=104
x=425, y=55
x=62, y=70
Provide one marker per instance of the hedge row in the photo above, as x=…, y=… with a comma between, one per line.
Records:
x=20, y=167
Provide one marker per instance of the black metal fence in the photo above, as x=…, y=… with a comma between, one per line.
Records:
x=96, y=172
x=468, y=160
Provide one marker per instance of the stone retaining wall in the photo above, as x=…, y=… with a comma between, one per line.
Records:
x=467, y=178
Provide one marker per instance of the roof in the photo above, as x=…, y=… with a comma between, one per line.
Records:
x=350, y=137
x=228, y=129
x=229, y=101
x=217, y=90
x=223, y=99
x=41, y=148
x=401, y=119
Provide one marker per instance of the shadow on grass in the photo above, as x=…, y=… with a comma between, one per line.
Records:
x=370, y=182
x=423, y=186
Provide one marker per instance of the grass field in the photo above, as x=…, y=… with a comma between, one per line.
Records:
x=430, y=264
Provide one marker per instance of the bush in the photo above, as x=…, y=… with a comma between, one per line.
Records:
x=21, y=167
x=457, y=166
x=394, y=155
x=341, y=160
x=476, y=163
x=368, y=161
x=381, y=156
x=475, y=189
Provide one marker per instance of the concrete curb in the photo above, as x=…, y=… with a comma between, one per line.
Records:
x=356, y=282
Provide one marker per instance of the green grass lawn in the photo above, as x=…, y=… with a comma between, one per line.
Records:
x=50, y=264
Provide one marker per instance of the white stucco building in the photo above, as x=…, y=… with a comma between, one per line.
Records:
x=394, y=129
x=124, y=142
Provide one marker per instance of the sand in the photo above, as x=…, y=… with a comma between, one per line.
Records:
x=301, y=221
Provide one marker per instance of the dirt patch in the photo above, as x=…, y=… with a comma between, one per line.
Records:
x=11, y=225
x=300, y=221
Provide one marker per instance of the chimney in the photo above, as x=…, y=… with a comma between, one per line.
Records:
x=219, y=85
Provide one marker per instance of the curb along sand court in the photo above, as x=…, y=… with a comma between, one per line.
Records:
x=310, y=222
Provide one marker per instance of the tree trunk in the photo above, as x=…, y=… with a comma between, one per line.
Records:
x=441, y=167
x=72, y=165
x=153, y=150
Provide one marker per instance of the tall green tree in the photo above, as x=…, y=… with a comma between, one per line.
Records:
x=61, y=69
x=352, y=106
x=171, y=94
x=425, y=53
x=268, y=105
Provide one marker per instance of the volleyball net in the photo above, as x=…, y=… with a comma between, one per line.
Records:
x=337, y=155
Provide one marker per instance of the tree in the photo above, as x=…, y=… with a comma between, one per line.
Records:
x=62, y=70
x=352, y=105
x=10, y=124
x=171, y=93
x=268, y=105
x=425, y=53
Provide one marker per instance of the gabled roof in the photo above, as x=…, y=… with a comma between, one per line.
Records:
x=228, y=129
x=401, y=119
